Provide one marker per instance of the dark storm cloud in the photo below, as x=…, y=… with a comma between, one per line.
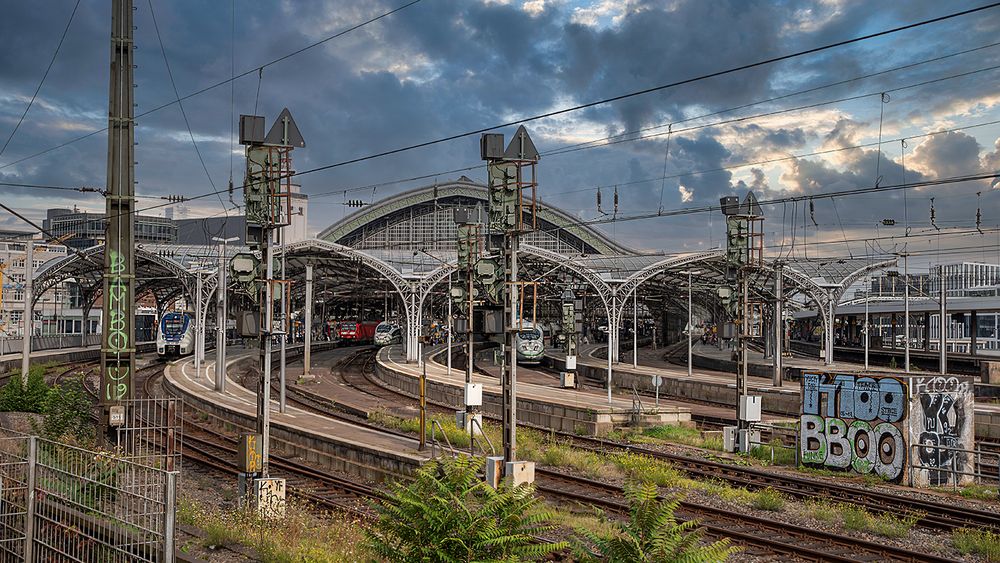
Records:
x=446, y=66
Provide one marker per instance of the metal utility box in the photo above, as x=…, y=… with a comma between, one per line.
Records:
x=248, y=323
x=729, y=438
x=750, y=408
x=571, y=363
x=903, y=428
x=730, y=205
x=567, y=380
x=249, y=458
x=491, y=146
x=251, y=130
x=494, y=470
x=748, y=439
x=520, y=473
x=473, y=394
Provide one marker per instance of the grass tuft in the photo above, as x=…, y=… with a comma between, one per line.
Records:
x=983, y=543
x=768, y=499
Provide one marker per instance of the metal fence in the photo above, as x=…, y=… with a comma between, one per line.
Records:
x=63, y=503
x=950, y=466
x=153, y=433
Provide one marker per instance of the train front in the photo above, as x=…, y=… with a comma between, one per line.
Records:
x=175, y=337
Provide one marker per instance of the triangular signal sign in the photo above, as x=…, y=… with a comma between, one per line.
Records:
x=751, y=207
x=521, y=147
x=284, y=132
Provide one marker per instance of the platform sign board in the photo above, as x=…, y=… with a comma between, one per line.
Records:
x=894, y=426
x=269, y=494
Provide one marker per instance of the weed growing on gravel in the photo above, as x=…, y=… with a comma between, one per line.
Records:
x=892, y=526
x=301, y=536
x=782, y=455
x=645, y=468
x=979, y=492
x=768, y=499
x=984, y=543
x=822, y=510
x=684, y=435
x=855, y=517
x=884, y=524
x=727, y=492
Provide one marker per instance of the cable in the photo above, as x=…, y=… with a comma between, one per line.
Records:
x=223, y=82
x=180, y=105
x=776, y=98
x=44, y=76
x=656, y=88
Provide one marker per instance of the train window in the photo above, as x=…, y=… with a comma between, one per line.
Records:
x=529, y=335
x=383, y=328
x=173, y=324
x=348, y=326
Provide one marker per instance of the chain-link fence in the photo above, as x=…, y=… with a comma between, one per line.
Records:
x=63, y=503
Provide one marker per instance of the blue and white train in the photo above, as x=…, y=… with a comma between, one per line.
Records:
x=175, y=336
x=387, y=333
x=530, y=344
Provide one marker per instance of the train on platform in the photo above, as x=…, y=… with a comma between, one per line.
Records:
x=387, y=333
x=530, y=344
x=357, y=332
x=175, y=336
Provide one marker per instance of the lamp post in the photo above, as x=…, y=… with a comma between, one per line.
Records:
x=690, y=323
x=221, y=315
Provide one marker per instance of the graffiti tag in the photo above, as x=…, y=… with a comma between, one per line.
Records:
x=849, y=422
x=117, y=376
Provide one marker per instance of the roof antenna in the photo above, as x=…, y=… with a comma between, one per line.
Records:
x=812, y=213
x=933, y=221
x=979, y=212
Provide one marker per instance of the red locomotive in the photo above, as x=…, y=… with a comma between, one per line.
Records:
x=355, y=331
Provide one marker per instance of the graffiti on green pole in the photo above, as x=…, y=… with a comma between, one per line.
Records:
x=117, y=375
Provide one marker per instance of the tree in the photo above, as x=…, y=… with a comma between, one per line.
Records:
x=448, y=513
x=652, y=534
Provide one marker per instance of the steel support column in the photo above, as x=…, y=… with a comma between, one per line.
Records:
x=307, y=353
x=27, y=321
x=778, y=326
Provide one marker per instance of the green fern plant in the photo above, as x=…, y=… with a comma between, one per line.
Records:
x=448, y=513
x=652, y=534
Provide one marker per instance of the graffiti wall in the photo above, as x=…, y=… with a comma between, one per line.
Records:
x=895, y=427
x=941, y=423
x=854, y=423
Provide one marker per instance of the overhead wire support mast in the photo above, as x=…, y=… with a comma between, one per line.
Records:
x=510, y=172
x=118, y=348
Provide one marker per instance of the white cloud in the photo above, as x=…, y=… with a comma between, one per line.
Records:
x=686, y=194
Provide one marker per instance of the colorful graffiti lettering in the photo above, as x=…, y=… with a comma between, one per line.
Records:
x=849, y=422
x=117, y=373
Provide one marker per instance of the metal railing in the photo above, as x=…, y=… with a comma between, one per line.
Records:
x=64, y=503
x=971, y=467
x=636, y=407
x=778, y=432
x=472, y=437
x=434, y=442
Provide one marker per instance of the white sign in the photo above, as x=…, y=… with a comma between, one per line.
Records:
x=657, y=380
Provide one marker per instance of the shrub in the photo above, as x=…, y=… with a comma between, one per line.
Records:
x=979, y=492
x=821, y=510
x=984, y=543
x=652, y=533
x=447, y=513
x=768, y=499
x=18, y=396
x=67, y=410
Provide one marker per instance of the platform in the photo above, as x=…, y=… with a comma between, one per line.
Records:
x=315, y=438
x=547, y=406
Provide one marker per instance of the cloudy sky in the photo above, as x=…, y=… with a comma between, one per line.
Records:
x=806, y=126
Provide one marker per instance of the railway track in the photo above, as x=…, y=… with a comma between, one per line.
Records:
x=936, y=515
x=777, y=539
x=762, y=537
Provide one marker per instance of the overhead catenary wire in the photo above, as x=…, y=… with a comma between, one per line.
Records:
x=226, y=81
x=45, y=75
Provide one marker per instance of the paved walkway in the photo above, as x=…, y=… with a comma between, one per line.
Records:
x=244, y=401
x=543, y=391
